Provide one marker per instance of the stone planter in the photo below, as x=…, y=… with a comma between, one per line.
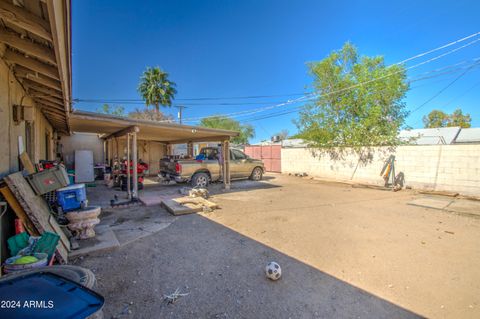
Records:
x=83, y=221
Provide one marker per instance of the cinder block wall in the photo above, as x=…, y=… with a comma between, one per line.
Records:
x=433, y=167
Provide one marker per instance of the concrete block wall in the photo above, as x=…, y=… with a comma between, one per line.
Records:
x=433, y=167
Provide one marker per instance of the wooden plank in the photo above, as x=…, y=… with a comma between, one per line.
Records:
x=30, y=48
x=50, y=99
x=38, y=211
x=25, y=20
x=48, y=103
x=18, y=210
x=30, y=85
x=32, y=76
x=27, y=163
x=32, y=64
x=50, y=110
x=125, y=131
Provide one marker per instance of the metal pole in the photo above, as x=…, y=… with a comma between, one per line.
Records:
x=135, y=163
x=226, y=164
x=129, y=194
x=180, y=109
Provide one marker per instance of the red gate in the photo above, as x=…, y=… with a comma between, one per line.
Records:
x=271, y=155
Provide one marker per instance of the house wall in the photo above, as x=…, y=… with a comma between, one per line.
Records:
x=148, y=151
x=81, y=141
x=12, y=93
x=433, y=167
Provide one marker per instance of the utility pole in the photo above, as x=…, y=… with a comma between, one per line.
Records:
x=180, y=111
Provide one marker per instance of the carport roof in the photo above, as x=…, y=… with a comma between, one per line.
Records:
x=105, y=124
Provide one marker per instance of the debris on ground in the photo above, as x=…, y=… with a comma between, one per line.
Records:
x=188, y=205
x=194, y=192
x=303, y=174
x=172, y=298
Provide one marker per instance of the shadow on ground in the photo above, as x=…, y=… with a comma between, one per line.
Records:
x=223, y=273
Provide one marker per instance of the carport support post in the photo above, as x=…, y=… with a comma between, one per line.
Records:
x=226, y=164
x=129, y=194
x=190, y=149
x=135, y=162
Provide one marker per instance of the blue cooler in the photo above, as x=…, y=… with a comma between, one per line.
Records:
x=72, y=197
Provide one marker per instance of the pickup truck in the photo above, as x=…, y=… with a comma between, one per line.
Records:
x=205, y=168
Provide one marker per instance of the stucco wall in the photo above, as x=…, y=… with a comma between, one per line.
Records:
x=434, y=167
x=148, y=151
x=11, y=93
x=81, y=141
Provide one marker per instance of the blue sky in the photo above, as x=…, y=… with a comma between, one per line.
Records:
x=247, y=48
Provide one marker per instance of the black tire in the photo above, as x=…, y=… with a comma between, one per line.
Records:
x=257, y=174
x=200, y=180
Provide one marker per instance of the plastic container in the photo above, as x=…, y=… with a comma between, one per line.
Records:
x=72, y=197
x=48, y=180
x=71, y=176
x=10, y=265
x=54, y=296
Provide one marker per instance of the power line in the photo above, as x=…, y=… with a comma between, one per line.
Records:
x=442, y=90
x=296, y=109
x=300, y=94
x=313, y=96
x=440, y=48
x=462, y=94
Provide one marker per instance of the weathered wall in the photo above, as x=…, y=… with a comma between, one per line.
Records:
x=149, y=152
x=81, y=141
x=434, y=167
x=12, y=93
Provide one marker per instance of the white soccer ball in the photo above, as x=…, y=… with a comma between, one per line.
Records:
x=273, y=271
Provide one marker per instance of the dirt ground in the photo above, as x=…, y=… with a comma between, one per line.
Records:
x=345, y=253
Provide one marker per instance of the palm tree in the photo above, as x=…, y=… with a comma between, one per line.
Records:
x=156, y=89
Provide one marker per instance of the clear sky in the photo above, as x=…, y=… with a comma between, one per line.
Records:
x=228, y=48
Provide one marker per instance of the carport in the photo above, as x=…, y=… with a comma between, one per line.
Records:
x=111, y=128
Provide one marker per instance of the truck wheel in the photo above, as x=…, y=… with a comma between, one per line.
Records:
x=200, y=180
x=257, y=174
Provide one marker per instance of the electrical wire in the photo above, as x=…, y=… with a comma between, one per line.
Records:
x=442, y=90
x=301, y=94
x=313, y=96
x=296, y=109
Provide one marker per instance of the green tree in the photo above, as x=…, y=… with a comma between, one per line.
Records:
x=222, y=122
x=457, y=118
x=151, y=115
x=359, y=101
x=156, y=89
x=112, y=110
x=438, y=118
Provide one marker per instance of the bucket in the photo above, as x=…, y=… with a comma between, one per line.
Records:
x=10, y=265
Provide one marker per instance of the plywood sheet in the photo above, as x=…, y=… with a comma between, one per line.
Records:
x=27, y=163
x=15, y=205
x=38, y=212
x=187, y=205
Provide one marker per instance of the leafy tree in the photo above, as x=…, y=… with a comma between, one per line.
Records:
x=438, y=118
x=147, y=114
x=222, y=122
x=156, y=89
x=458, y=119
x=112, y=110
x=359, y=101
